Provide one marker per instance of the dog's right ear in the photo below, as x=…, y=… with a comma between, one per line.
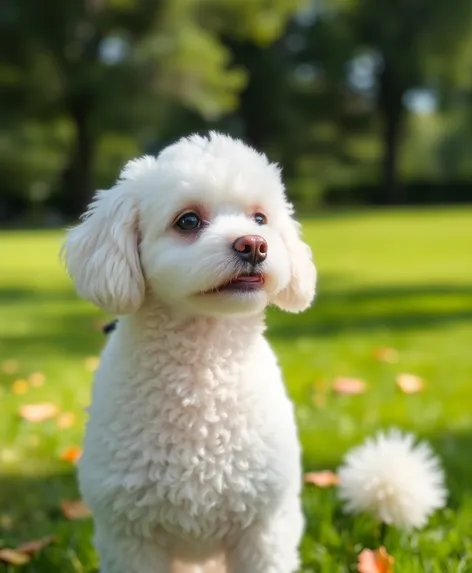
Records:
x=101, y=253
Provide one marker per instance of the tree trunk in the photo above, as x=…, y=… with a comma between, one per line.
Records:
x=392, y=115
x=77, y=178
x=252, y=106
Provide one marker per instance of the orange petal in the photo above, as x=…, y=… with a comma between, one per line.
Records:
x=36, y=379
x=20, y=386
x=75, y=509
x=13, y=557
x=92, y=363
x=377, y=561
x=324, y=478
x=31, y=547
x=386, y=354
x=10, y=366
x=345, y=385
x=366, y=562
x=71, y=454
x=409, y=383
x=65, y=420
x=38, y=412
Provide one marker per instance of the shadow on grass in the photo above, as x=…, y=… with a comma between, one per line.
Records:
x=454, y=449
x=72, y=330
x=29, y=502
x=30, y=508
x=45, y=321
x=20, y=295
x=401, y=307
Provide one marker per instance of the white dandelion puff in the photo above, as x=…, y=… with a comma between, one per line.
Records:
x=398, y=481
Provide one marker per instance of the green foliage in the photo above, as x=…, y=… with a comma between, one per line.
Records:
x=260, y=20
x=394, y=279
x=279, y=74
x=97, y=64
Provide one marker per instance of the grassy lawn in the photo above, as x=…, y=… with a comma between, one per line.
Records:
x=401, y=279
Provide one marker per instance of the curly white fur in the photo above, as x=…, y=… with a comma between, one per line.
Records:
x=191, y=450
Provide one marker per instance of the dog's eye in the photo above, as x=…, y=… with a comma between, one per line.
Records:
x=188, y=222
x=260, y=219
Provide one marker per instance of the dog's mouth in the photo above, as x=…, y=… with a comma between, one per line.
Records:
x=241, y=283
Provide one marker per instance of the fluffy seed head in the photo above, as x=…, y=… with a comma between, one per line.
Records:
x=393, y=477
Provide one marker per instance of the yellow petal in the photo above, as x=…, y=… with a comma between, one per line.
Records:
x=20, y=386
x=409, y=383
x=36, y=379
x=92, y=363
x=65, y=420
x=38, y=412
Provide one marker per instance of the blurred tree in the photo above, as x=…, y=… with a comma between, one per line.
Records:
x=369, y=54
x=414, y=41
x=123, y=64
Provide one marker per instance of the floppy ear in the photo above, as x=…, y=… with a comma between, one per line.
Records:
x=300, y=291
x=101, y=253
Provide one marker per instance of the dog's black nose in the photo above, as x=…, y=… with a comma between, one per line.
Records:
x=251, y=248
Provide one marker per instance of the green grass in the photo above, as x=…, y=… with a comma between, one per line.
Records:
x=401, y=279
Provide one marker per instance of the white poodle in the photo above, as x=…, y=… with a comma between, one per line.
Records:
x=191, y=450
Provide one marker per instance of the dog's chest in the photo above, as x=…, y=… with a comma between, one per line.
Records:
x=200, y=457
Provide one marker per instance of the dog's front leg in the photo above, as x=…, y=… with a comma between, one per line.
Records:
x=130, y=554
x=270, y=545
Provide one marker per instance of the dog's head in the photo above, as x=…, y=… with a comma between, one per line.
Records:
x=205, y=228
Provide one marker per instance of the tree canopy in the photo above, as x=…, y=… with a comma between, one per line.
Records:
x=325, y=87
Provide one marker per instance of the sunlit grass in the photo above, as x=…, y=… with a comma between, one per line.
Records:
x=400, y=279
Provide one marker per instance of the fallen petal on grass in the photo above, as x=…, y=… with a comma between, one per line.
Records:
x=75, y=509
x=36, y=379
x=21, y=555
x=409, y=383
x=31, y=547
x=20, y=386
x=325, y=478
x=65, y=420
x=377, y=561
x=10, y=366
x=13, y=557
x=346, y=385
x=38, y=412
x=71, y=454
x=92, y=363
x=386, y=354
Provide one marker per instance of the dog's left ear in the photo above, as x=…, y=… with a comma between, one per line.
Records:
x=101, y=253
x=299, y=293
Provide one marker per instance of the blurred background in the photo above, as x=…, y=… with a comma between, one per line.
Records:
x=361, y=101
x=367, y=105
